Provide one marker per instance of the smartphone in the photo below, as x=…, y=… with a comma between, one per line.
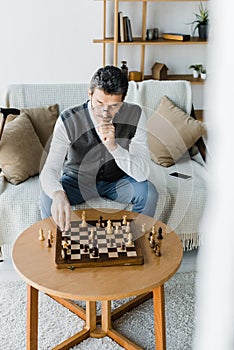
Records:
x=180, y=175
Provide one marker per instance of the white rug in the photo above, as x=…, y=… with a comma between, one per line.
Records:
x=57, y=323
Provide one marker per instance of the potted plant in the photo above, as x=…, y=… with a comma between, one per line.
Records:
x=203, y=73
x=201, y=22
x=196, y=69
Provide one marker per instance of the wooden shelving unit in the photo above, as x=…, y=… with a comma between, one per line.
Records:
x=141, y=40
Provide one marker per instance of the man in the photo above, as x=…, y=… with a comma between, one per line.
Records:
x=100, y=148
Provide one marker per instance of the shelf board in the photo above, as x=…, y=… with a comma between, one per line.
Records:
x=199, y=114
x=159, y=41
x=187, y=77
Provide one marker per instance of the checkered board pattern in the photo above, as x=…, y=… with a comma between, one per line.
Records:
x=81, y=241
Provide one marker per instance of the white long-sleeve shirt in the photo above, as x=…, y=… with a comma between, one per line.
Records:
x=135, y=162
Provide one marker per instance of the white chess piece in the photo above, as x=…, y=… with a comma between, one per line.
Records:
x=129, y=242
x=91, y=236
x=41, y=235
x=83, y=217
x=109, y=228
x=50, y=235
x=128, y=227
x=124, y=222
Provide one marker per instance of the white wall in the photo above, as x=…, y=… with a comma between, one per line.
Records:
x=52, y=40
x=49, y=40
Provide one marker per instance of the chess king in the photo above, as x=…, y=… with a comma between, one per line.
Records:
x=101, y=150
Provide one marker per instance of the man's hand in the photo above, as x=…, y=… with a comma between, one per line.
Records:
x=61, y=210
x=107, y=133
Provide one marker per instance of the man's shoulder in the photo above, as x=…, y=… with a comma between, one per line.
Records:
x=72, y=111
x=132, y=104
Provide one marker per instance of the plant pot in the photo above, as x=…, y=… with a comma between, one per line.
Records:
x=203, y=31
x=195, y=73
x=203, y=76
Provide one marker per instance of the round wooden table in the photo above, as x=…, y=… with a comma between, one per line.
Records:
x=35, y=262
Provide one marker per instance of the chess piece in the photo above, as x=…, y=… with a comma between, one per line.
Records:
x=50, y=236
x=109, y=228
x=64, y=250
x=91, y=236
x=143, y=227
x=123, y=246
x=116, y=228
x=86, y=248
x=41, y=235
x=159, y=242
x=49, y=245
x=128, y=227
x=124, y=222
x=83, y=217
x=157, y=249
x=100, y=222
x=160, y=236
x=95, y=252
x=152, y=241
x=129, y=242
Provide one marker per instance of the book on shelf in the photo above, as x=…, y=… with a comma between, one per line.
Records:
x=120, y=27
x=129, y=30
x=176, y=36
x=124, y=28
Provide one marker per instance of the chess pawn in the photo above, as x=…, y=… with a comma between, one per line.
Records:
x=50, y=236
x=128, y=227
x=160, y=236
x=41, y=235
x=123, y=247
x=124, y=222
x=49, y=245
x=158, y=250
x=129, y=242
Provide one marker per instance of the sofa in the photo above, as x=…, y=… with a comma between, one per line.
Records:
x=173, y=136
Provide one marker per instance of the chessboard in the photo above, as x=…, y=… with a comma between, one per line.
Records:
x=95, y=244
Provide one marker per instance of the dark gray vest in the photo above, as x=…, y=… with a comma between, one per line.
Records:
x=87, y=158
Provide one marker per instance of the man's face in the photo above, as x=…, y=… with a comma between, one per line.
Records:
x=104, y=106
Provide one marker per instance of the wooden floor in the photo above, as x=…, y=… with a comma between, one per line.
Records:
x=7, y=272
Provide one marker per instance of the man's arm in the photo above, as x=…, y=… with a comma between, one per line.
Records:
x=136, y=161
x=51, y=174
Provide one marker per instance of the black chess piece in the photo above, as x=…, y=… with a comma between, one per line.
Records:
x=95, y=252
x=160, y=236
x=123, y=246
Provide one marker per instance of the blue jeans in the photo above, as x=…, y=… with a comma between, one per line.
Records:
x=142, y=195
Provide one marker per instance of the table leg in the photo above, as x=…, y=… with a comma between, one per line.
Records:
x=159, y=317
x=91, y=315
x=112, y=333
x=32, y=318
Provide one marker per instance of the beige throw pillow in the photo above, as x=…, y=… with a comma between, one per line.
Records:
x=43, y=120
x=171, y=132
x=20, y=150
